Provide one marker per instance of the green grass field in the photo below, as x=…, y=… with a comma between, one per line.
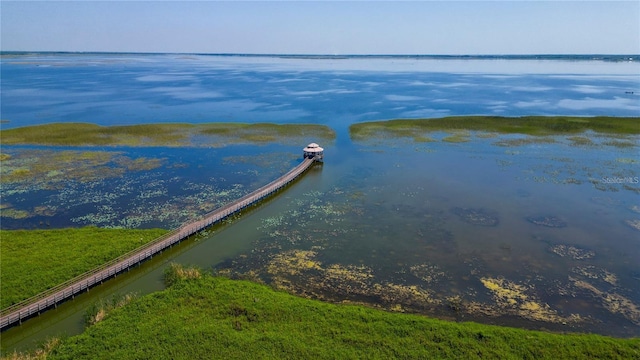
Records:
x=36, y=260
x=211, y=134
x=528, y=125
x=216, y=318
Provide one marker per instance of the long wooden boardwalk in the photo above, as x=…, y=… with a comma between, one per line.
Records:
x=50, y=298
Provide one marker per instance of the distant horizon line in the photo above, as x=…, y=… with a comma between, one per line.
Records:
x=594, y=56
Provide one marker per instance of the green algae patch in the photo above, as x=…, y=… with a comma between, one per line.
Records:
x=67, y=253
x=231, y=319
x=171, y=135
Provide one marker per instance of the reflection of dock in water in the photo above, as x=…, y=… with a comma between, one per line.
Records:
x=34, y=306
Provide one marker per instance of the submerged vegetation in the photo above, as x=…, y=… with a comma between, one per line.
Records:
x=36, y=260
x=213, y=317
x=47, y=169
x=206, y=135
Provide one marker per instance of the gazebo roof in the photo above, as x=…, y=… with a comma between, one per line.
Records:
x=313, y=147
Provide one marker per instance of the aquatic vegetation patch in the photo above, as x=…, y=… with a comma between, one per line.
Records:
x=15, y=214
x=551, y=221
x=520, y=300
x=293, y=262
x=480, y=217
x=297, y=271
x=140, y=164
x=527, y=125
x=50, y=169
x=623, y=144
x=428, y=273
x=156, y=204
x=572, y=252
x=596, y=274
x=581, y=141
x=602, y=285
x=164, y=134
x=629, y=161
x=633, y=223
x=67, y=177
x=456, y=138
x=525, y=141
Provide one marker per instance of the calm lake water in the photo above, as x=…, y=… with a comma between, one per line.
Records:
x=498, y=229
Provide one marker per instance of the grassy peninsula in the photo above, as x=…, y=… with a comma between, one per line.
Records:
x=418, y=129
x=211, y=317
x=36, y=260
x=174, y=135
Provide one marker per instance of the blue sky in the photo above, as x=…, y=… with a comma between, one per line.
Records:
x=324, y=27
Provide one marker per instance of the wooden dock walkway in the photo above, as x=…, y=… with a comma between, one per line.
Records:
x=18, y=312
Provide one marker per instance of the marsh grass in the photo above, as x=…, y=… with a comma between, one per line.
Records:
x=177, y=272
x=41, y=353
x=213, y=317
x=66, y=252
x=172, y=135
x=103, y=308
x=528, y=125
